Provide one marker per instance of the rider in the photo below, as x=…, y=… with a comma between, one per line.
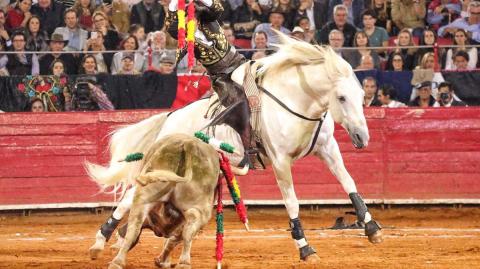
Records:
x=220, y=59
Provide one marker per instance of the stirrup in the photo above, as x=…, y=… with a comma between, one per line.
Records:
x=252, y=159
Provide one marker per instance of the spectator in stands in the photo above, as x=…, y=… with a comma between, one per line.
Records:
x=139, y=32
x=429, y=38
x=36, y=37
x=167, y=64
x=260, y=42
x=370, y=88
x=88, y=65
x=229, y=35
x=427, y=61
x=57, y=44
x=377, y=36
x=424, y=98
x=111, y=39
x=387, y=96
x=157, y=41
x=89, y=96
x=460, y=60
x=404, y=39
x=409, y=14
x=3, y=59
x=76, y=36
x=21, y=64
x=128, y=64
x=120, y=16
x=276, y=19
x=460, y=39
x=287, y=8
x=442, y=12
x=103, y=60
x=18, y=16
x=383, y=13
x=315, y=12
x=336, y=41
x=148, y=13
x=57, y=68
x=366, y=63
x=304, y=23
x=354, y=8
x=129, y=44
x=84, y=10
x=298, y=33
x=469, y=24
x=36, y=105
x=445, y=97
x=3, y=31
x=397, y=62
x=354, y=57
x=50, y=14
x=340, y=13
x=245, y=18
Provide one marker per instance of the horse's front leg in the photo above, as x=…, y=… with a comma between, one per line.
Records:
x=107, y=229
x=283, y=175
x=330, y=153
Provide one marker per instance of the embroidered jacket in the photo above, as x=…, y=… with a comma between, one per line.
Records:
x=211, y=45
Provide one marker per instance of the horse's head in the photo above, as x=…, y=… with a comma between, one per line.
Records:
x=325, y=79
x=345, y=104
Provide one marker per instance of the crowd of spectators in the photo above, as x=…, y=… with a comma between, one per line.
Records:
x=112, y=36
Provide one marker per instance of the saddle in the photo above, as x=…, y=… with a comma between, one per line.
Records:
x=254, y=99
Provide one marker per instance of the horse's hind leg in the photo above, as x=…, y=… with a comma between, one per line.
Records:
x=330, y=153
x=107, y=229
x=283, y=175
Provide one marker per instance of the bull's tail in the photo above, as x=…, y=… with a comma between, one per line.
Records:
x=133, y=138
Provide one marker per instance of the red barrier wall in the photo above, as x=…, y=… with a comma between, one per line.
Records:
x=414, y=156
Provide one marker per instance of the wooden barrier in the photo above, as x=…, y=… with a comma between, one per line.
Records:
x=414, y=156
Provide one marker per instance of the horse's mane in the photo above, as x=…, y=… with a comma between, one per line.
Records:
x=293, y=52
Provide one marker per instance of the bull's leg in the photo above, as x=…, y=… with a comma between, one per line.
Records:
x=195, y=219
x=330, y=153
x=144, y=198
x=107, y=229
x=283, y=174
x=163, y=260
x=137, y=216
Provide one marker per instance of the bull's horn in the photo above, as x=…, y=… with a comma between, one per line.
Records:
x=240, y=171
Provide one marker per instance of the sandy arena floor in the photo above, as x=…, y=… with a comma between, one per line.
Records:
x=414, y=238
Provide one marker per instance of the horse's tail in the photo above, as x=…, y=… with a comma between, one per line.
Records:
x=132, y=138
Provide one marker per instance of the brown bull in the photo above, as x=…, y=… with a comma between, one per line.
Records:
x=178, y=178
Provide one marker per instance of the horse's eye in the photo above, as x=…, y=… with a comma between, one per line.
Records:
x=341, y=99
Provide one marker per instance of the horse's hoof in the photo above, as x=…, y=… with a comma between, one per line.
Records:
x=161, y=264
x=312, y=259
x=95, y=252
x=374, y=232
x=306, y=251
x=376, y=238
x=113, y=265
x=183, y=266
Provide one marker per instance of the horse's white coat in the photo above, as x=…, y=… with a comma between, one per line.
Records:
x=328, y=83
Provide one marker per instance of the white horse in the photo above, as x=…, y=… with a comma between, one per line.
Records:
x=307, y=80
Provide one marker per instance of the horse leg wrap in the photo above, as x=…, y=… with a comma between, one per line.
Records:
x=361, y=209
x=372, y=227
x=109, y=227
x=299, y=237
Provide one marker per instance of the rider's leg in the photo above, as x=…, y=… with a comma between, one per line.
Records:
x=237, y=113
